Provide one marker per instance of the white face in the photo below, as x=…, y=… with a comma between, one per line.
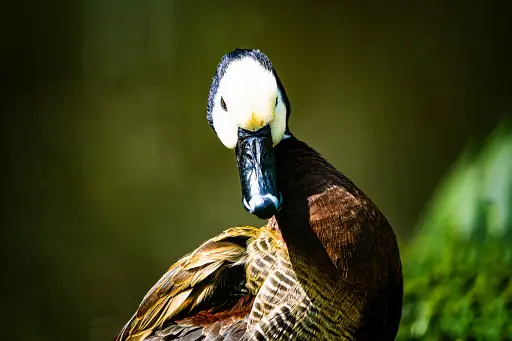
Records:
x=249, y=92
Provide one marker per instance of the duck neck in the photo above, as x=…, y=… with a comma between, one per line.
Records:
x=301, y=171
x=303, y=176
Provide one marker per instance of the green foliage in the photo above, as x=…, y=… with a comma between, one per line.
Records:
x=458, y=270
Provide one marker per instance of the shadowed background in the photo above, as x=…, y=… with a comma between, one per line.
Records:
x=112, y=171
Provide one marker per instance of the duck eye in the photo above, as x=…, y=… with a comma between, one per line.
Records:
x=223, y=104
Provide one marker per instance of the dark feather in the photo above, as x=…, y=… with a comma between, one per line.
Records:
x=326, y=266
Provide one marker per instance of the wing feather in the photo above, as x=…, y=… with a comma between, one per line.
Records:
x=190, y=285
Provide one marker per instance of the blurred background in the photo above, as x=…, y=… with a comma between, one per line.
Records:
x=112, y=172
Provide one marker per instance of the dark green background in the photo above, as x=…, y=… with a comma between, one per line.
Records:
x=112, y=172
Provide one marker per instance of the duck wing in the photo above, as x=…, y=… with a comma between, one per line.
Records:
x=203, y=296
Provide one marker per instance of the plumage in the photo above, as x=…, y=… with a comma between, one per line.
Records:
x=326, y=266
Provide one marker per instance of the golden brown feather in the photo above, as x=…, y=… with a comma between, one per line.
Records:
x=189, y=283
x=325, y=267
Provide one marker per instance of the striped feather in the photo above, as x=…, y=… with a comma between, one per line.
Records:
x=326, y=267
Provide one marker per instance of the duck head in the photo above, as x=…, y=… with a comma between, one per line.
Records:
x=248, y=110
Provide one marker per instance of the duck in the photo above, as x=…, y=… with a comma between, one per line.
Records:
x=325, y=266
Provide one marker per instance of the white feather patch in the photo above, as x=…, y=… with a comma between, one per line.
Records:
x=249, y=91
